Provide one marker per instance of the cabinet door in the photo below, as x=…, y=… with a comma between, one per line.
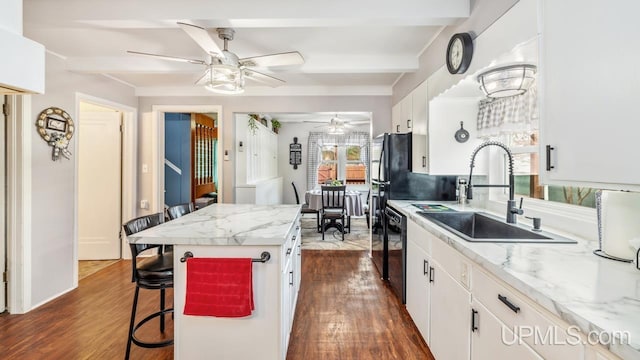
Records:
x=491, y=339
x=406, y=114
x=450, y=316
x=418, y=263
x=419, y=128
x=395, y=118
x=588, y=98
x=285, y=306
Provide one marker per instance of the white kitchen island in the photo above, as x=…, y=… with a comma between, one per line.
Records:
x=234, y=230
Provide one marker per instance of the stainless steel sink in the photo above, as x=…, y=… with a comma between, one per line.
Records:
x=480, y=227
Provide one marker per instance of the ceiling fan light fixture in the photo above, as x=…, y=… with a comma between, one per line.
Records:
x=507, y=80
x=225, y=79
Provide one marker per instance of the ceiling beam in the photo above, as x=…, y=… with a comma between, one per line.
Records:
x=249, y=13
x=318, y=64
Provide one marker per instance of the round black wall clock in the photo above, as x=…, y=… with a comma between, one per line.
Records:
x=459, y=53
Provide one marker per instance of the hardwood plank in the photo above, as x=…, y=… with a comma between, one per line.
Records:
x=346, y=312
x=90, y=322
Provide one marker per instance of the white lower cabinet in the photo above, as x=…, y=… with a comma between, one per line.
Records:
x=594, y=352
x=492, y=339
x=450, y=320
x=418, y=288
x=463, y=312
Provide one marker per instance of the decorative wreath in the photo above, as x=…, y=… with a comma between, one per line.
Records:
x=56, y=127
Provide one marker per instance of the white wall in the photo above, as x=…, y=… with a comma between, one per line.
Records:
x=285, y=137
x=379, y=106
x=52, y=242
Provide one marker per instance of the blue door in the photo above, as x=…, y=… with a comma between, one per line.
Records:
x=177, y=163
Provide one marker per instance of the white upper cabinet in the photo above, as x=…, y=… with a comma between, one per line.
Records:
x=588, y=88
x=410, y=115
x=419, y=128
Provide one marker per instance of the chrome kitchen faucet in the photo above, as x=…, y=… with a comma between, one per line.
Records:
x=512, y=210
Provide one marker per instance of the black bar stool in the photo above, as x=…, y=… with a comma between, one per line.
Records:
x=154, y=273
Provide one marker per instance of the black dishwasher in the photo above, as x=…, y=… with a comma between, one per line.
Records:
x=395, y=244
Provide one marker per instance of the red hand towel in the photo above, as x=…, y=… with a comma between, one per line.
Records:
x=221, y=287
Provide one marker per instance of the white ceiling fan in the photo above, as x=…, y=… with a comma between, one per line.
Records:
x=225, y=72
x=338, y=125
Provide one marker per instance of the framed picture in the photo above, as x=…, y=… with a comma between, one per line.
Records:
x=56, y=124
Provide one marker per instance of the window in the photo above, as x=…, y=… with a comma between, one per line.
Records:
x=524, y=147
x=341, y=163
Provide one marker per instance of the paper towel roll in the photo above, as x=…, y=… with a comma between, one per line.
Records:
x=620, y=222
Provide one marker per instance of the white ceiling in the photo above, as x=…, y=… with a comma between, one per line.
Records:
x=360, y=46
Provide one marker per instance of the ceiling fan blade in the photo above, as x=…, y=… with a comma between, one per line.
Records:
x=202, y=37
x=167, y=57
x=204, y=79
x=288, y=58
x=263, y=78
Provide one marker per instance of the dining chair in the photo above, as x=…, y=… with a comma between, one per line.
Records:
x=177, y=211
x=366, y=209
x=153, y=272
x=305, y=207
x=333, y=208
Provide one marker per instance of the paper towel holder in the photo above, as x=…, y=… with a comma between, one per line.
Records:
x=599, y=251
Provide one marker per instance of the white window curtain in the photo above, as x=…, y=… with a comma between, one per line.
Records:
x=508, y=115
x=319, y=139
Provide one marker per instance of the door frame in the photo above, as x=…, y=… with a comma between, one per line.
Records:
x=157, y=147
x=19, y=132
x=129, y=171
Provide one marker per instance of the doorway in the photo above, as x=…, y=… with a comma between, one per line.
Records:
x=99, y=182
x=106, y=144
x=158, y=146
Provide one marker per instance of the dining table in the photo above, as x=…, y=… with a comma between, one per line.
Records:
x=352, y=203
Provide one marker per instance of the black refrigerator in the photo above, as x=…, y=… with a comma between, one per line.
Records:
x=392, y=179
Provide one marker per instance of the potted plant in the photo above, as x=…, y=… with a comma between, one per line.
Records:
x=253, y=126
x=275, y=125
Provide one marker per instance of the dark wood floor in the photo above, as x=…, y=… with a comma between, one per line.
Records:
x=344, y=312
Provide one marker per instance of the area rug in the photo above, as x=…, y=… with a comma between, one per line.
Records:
x=357, y=239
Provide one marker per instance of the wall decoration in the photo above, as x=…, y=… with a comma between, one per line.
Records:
x=295, y=153
x=56, y=127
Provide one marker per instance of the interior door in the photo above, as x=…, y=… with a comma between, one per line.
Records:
x=99, y=185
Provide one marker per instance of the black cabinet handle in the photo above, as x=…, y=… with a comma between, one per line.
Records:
x=288, y=251
x=397, y=128
x=431, y=271
x=408, y=123
x=474, y=327
x=425, y=265
x=424, y=161
x=290, y=277
x=549, y=166
x=509, y=304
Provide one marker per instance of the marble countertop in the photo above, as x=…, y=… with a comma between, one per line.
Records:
x=225, y=224
x=583, y=289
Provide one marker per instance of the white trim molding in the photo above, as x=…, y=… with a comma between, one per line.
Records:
x=19, y=130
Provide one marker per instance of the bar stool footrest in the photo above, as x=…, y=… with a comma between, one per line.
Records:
x=144, y=321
